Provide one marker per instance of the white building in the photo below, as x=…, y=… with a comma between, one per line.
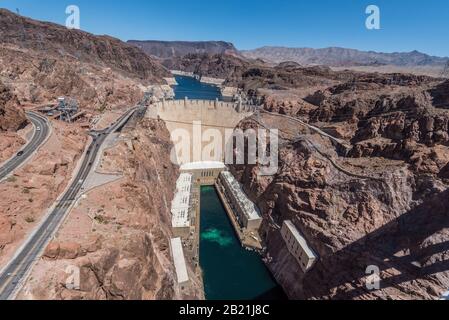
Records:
x=181, y=206
x=297, y=246
x=179, y=260
x=204, y=173
x=247, y=212
x=184, y=183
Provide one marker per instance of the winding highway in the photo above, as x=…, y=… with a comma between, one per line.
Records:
x=41, y=131
x=16, y=271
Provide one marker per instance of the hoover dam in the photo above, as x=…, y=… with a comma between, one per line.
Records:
x=189, y=171
x=211, y=243
x=195, y=124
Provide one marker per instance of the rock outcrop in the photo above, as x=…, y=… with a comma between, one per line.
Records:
x=177, y=49
x=12, y=116
x=381, y=204
x=43, y=61
x=440, y=95
x=392, y=117
x=354, y=213
x=253, y=74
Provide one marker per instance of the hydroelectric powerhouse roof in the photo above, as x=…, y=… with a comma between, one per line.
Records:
x=300, y=239
x=181, y=203
x=179, y=260
x=204, y=165
x=247, y=206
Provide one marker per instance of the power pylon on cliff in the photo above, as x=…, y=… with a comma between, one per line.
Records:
x=445, y=72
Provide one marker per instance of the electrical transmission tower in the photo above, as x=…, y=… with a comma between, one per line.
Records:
x=353, y=83
x=445, y=72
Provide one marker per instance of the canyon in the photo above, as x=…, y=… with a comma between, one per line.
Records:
x=378, y=198
x=360, y=206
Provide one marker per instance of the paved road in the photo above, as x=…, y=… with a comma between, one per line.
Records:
x=313, y=128
x=41, y=131
x=15, y=272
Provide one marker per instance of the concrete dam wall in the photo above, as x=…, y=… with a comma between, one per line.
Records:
x=199, y=127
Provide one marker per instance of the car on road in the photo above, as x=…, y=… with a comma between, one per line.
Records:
x=20, y=153
x=38, y=129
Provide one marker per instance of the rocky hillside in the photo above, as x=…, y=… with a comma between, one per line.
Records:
x=337, y=57
x=440, y=96
x=176, y=49
x=27, y=195
x=118, y=236
x=383, y=203
x=12, y=116
x=43, y=61
x=12, y=120
x=255, y=74
x=213, y=65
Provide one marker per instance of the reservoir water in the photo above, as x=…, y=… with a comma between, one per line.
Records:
x=194, y=89
x=230, y=272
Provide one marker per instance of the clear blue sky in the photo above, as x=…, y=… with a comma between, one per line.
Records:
x=406, y=24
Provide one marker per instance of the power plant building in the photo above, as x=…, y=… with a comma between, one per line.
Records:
x=182, y=206
x=297, y=245
x=247, y=212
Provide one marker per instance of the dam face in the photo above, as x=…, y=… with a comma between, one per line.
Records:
x=200, y=128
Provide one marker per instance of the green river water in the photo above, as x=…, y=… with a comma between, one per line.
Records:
x=230, y=271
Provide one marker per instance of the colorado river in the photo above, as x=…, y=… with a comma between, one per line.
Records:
x=230, y=271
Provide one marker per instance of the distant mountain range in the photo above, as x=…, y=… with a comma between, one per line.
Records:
x=175, y=49
x=342, y=57
x=332, y=56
